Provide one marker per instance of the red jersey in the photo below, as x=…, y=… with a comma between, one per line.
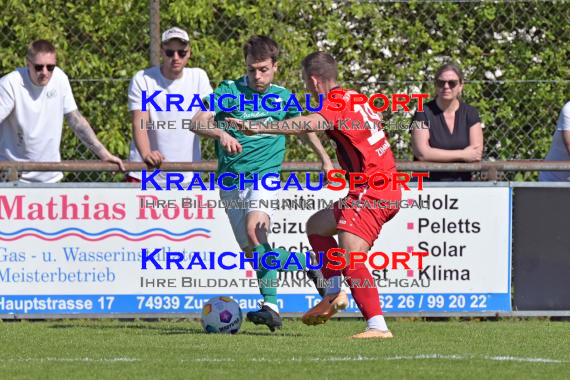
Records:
x=361, y=145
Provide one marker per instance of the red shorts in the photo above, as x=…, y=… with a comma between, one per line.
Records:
x=130, y=179
x=366, y=221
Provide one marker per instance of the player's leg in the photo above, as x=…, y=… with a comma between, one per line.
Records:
x=257, y=226
x=258, y=238
x=239, y=221
x=360, y=227
x=258, y=232
x=257, y=229
x=363, y=288
x=321, y=227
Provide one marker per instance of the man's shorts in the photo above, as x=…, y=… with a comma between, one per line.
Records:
x=237, y=215
x=366, y=222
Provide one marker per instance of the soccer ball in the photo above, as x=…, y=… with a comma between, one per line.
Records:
x=221, y=315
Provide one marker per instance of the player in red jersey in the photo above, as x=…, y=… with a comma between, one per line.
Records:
x=359, y=150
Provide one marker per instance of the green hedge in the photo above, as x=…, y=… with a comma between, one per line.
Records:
x=381, y=47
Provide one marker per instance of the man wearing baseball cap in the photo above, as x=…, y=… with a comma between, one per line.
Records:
x=174, y=144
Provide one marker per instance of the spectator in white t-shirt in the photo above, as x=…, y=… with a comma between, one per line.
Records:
x=174, y=144
x=33, y=101
x=560, y=149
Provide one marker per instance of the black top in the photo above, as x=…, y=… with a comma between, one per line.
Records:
x=440, y=137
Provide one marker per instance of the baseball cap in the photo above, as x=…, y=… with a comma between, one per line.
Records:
x=175, y=33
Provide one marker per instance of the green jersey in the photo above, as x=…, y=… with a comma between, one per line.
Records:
x=261, y=153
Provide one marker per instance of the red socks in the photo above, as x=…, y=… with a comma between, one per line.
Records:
x=364, y=290
x=362, y=284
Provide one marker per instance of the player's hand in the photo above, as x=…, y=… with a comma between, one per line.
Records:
x=473, y=153
x=229, y=143
x=114, y=160
x=154, y=158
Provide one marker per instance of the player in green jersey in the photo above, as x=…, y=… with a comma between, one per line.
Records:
x=261, y=154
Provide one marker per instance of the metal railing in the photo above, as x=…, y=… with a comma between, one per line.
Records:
x=491, y=169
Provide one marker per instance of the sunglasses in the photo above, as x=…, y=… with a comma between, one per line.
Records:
x=50, y=68
x=441, y=83
x=170, y=53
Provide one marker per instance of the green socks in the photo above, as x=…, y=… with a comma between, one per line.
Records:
x=266, y=276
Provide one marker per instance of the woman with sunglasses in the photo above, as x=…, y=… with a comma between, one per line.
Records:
x=453, y=131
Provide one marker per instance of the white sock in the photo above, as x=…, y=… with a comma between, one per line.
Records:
x=272, y=306
x=377, y=323
x=335, y=287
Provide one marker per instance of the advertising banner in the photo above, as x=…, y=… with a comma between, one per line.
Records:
x=80, y=250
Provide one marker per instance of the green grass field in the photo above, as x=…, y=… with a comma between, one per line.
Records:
x=430, y=350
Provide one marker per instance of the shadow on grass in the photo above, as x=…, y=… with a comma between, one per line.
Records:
x=272, y=334
x=167, y=330
x=164, y=330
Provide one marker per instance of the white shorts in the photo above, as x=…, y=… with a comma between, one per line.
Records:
x=237, y=215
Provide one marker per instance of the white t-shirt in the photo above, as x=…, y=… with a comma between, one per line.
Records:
x=176, y=145
x=558, y=151
x=31, y=120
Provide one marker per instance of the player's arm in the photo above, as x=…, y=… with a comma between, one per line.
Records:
x=84, y=132
x=424, y=152
x=140, y=136
x=203, y=124
x=294, y=126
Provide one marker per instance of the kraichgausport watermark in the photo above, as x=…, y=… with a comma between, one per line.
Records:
x=337, y=100
x=298, y=203
x=286, y=282
x=272, y=181
x=337, y=259
x=272, y=124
